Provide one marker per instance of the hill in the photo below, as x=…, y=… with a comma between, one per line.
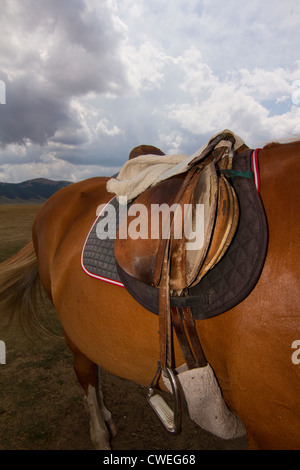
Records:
x=31, y=191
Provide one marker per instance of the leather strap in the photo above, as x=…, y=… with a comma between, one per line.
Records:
x=183, y=323
x=188, y=339
x=182, y=320
x=182, y=338
x=165, y=321
x=163, y=242
x=210, y=147
x=200, y=359
x=162, y=276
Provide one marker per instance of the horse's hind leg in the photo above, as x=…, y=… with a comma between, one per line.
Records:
x=106, y=415
x=101, y=424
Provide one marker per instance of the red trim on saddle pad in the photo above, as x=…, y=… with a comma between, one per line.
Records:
x=255, y=168
x=101, y=278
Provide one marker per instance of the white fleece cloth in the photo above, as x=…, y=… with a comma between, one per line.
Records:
x=144, y=171
x=206, y=404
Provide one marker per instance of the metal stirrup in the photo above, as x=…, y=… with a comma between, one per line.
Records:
x=171, y=419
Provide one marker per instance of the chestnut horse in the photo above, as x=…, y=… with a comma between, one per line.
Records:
x=250, y=347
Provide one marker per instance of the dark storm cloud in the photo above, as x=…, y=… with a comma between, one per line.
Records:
x=54, y=51
x=85, y=57
x=30, y=113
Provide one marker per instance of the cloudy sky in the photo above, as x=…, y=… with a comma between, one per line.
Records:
x=82, y=82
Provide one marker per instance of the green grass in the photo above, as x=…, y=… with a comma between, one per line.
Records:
x=15, y=227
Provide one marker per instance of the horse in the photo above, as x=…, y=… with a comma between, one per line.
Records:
x=250, y=347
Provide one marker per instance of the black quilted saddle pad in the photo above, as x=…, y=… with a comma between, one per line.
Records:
x=222, y=288
x=97, y=257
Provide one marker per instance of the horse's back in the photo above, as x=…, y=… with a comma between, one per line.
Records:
x=62, y=222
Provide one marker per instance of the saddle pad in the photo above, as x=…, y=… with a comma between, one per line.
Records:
x=236, y=274
x=97, y=256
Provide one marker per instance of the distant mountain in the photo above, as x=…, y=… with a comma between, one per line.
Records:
x=31, y=191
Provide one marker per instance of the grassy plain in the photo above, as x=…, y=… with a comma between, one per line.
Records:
x=15, y=227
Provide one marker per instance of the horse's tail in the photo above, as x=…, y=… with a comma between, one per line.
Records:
x=21, y=288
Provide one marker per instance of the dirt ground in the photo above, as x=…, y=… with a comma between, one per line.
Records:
x=41, y=407
x=41, y=402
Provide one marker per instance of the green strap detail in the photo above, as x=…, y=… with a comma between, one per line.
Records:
x=235, y=173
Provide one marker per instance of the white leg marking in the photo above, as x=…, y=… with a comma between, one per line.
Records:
x=106, y=415
x=98, y=429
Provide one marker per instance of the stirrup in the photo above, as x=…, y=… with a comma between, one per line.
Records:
x=171, y=419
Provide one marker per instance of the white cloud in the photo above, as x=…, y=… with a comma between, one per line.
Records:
x=266, y=84
x=104, y=126
x=145, y=66
x=236, y=102
x=172, y=142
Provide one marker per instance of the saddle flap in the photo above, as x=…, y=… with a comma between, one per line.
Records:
x=203, y=208
x=227, y=217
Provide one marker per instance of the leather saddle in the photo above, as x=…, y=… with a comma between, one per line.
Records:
x=142, y=258
x=171, y=262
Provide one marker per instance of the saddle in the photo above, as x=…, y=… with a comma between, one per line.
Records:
x=142, y=258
